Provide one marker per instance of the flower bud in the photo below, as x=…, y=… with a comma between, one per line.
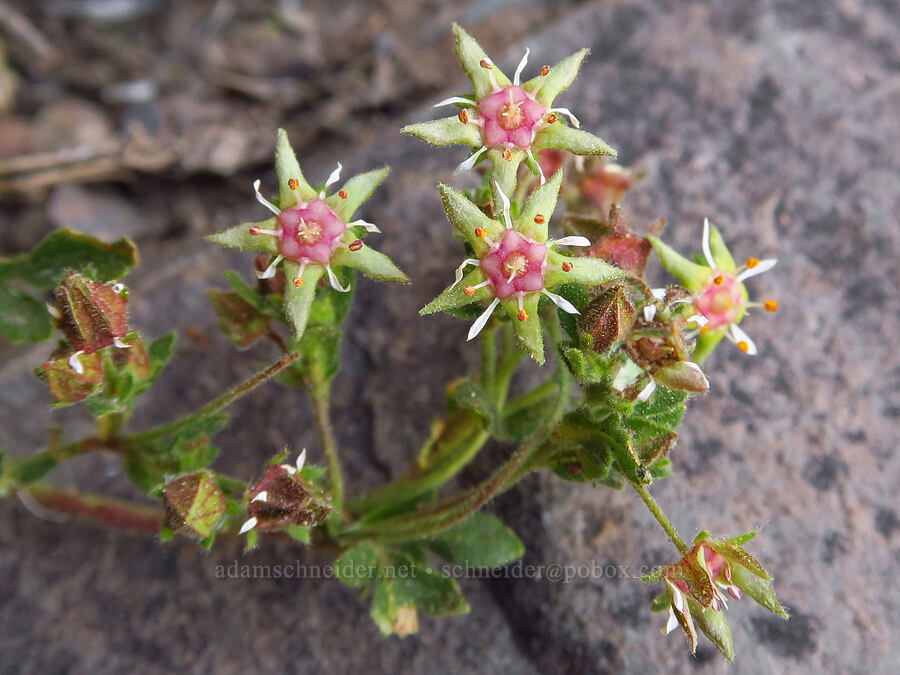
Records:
x=194, y=503
x=608, y=318
x=282, y=498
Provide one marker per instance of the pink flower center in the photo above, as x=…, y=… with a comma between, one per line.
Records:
x=516, y=265
x=510, y=117
x=720, y=301
x=310, y=233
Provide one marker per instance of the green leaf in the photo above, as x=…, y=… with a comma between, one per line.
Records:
x=561, y=137
x=529, y=335
x=299, y=299
x=240, y=321
x=556, y=81
x=299, y=533
x=579, y=297
x=715, y=626
x=433, y=593
x=358, y=189
x=691, y=275
x=504, y=172
x=585, y=271
x=65, y=250
x=742, y=539
x=542, y=202
x=287, y=167
x=706, y=343
x=357, y=567
x=370, y=262
x=720, y=253
x=445, y=131
x=252, y=296
x=22, y=318
x=467, y=217
x=481, y=540
x=470, y=55
x=470, y=395
x=454, y=296
x=239, y=237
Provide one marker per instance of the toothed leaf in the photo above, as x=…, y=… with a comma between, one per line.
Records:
x=358, y=189
x=287, y=167
x=445, y=131
x=466, y=218
x=372, y=263
x=528, y=333
x=557, y=80
x=470, y=55
x=585, y=271
x=299, y=299
x=542, y=202
x=453, y=297
x=561, y=137
x=239, y=237
x=691, y=275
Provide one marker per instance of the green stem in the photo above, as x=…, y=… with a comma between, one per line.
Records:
x=661, y=518
x=528, y=399
x=488, y=358
x=320, y=397
x=219, y=403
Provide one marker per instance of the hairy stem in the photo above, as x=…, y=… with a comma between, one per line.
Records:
x=661, y=518
x=50, y=502
x=320, y=396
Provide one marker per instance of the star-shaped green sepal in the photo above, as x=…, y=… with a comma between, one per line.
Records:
x=311, y=232
x=515, y=262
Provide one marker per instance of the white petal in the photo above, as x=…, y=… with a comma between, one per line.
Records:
x=269, y=272
x=517, y=80
x=454, y=99
x=740, y=336
x=658, y=293
x=568, y=113
x=249, y=525
x=333, y=280
x=121, y=345
x=301, y=459
x=536, y=163
x=698, y=319
x=707, y=251
x=763, y=266
x=649, y=312
x=483, y=319
x=672, y=623
x=334, y=176
x=369, y=227
x=561, y=302
x=459, y=270
x=695, y=367
x=677, y=597
x=647, y=391
x=75, y=363
x=572, y=241
x=261, y=497
x=290, y=469
x=505, y=200
x=52, y=311
x=262, y=200
x=469, y=162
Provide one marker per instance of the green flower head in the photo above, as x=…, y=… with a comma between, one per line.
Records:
x=311, y=232
x=509, y=120
x=515, y=263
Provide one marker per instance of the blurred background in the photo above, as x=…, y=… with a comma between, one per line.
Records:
x=776, y=119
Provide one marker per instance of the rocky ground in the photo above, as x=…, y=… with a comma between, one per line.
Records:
x=776, y=119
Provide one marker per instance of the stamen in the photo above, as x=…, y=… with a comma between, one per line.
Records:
x=561, y=302
x=487, y=65
x=293, y=183
x=567, y=267
x=523, y=315
x=771, y=305
x=517, y=80
x=506, y=154
x=698, y=319
x=262, y=200
x=742, y=340
x=342, y=194
x=257, y=230
x=568, y=113
x=538, y=165
x=247, y=526
x=75, y=362
x=333, y=280
x=463, y=115
x=469, y=162
x=762, y=266
x=704, y=329
x=369, y=227
x=483, y=319
x=334, y=176
x=572, y=241
x=752, y=262
x=454, y=100
x=552, y=117
x=719, y=280
x=269, y=272
x=470, y=290
x=539, y=219
x=355, y=245
x=298, y=280
x=744, y=347
x=480, y=232
x=545, y=70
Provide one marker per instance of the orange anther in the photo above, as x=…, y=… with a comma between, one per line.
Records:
x=507, y=155
x=480, y=232
x=743, y=346
x=463, y=115
x=486, y=64
x=469, y=290
x=293, y=183
x=719, y=280
x=705, y=329
x=545, y=70
x=567, y=267
x=356, y=245
x=771, y=305
x=551, y=118
x=752, y=262
x=523, y=315
x=255, y=230
x=298, y=281
x=342, y=194
x=539, y=219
